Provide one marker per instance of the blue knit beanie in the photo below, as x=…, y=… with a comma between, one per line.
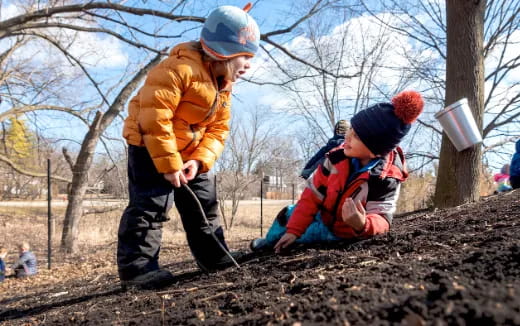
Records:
x=382, y=126
x=229, y=32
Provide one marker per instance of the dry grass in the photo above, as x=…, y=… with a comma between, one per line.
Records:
x=98, y=238
x=30, y=223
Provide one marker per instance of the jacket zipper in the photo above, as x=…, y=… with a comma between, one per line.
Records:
x=212, y=109
x=210, y=113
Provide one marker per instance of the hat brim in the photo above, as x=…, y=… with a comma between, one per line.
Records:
x=223, y=57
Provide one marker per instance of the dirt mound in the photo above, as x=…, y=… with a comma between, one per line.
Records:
x=459, y=266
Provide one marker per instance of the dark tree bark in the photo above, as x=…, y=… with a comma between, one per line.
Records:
x=458, y=178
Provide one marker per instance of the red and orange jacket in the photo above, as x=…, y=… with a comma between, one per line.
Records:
x=179, y=114
x=332, y=183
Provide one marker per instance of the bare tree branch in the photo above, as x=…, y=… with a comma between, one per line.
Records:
x=8, y=24
x=430, y=126
x=68, y=158
x=23, y=171
x=85, y=29
x=314, y=9
x=30, y=108
x=133, y=28
x=70, y=56
x=305, y=62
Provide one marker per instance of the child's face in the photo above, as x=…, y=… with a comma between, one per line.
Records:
x=239, y=66
x=354, y=147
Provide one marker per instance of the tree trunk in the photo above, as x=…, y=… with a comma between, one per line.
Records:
x=459, y=172
x=79, y=186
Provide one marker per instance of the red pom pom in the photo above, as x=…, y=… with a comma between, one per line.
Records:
x=408, y=105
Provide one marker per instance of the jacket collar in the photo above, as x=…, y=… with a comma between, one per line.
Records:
x=393, y=166
x=189, y=51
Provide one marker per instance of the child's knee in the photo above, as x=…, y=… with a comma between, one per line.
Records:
x=282, y=217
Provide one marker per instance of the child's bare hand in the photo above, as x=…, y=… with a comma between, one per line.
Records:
x=176, y=178
x=190, y=169
x=284, y=242
x=354, y=214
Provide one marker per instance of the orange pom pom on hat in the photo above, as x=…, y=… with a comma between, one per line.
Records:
x=382, y=126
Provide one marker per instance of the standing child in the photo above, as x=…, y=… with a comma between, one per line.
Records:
x=26, y=264
x=514, y=169
x=175, y=130
x=3, y=254
x=353, y=194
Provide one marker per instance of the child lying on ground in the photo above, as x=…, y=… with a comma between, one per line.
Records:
x=354, y=192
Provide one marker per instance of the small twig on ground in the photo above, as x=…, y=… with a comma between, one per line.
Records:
x=162, y=311
x=295, y=260
x=145, y=313
x=59, y=294
x=194, y=288
x=218, y=295
x=442, y=245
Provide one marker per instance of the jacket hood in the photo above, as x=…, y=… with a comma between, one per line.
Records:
x=393, y=165
x=518, y=146
x=192, y=51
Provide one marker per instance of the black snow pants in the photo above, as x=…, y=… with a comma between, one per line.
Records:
x=151, y=197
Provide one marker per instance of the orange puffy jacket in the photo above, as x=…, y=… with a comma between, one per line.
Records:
x=179, y=114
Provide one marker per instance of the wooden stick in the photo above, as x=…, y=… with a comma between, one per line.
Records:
x=194, y=288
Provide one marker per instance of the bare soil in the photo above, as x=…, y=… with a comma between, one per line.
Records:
x=459, y=266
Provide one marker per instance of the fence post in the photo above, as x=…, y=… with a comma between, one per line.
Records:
x=49, y=215
x=261, y=207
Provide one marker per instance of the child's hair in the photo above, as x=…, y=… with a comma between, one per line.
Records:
x=24, y=245
x=212, y=60
x=341, y=127
x=3, y=252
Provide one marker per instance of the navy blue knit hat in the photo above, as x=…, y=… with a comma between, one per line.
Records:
x=382, y=126
x=229, y=32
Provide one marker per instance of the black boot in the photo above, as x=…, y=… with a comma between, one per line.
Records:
x=156, y=279
x=222, y=263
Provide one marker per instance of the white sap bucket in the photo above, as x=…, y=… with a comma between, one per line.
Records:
x=458, y=123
